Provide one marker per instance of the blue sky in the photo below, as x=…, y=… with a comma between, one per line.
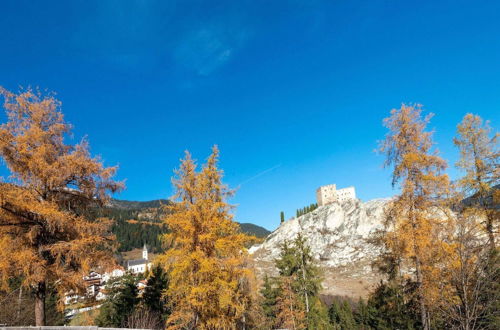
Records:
x=293, y=92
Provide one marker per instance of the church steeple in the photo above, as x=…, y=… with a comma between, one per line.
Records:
x=145, y=252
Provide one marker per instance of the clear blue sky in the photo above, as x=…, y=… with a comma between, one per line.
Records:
x=293, y=92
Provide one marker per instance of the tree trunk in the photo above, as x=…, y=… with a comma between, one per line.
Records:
x=489, y=229
x=40, y=292
x=19, y=302
x=423, y=309
x=304, y=279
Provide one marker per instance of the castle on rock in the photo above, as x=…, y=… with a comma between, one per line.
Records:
x=329, y=194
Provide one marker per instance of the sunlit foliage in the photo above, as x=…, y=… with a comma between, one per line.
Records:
x=206, y=258
x=45, y=239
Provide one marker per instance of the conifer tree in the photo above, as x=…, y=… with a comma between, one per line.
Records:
x=269, y=293
x=392, y=306
x=296, y=262
x=290, y=311
x=45, y=239
x=414, y=224
x=362, y=314
x=473, y=271
x=153, y=296
x=207, y=257
x=120, y=303
x=479, y=159
x=282, y=217
x=341, y=315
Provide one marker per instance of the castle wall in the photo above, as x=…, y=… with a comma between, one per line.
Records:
x=346, y=193
x=329, y=194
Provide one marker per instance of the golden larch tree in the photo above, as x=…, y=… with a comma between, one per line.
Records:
x=414, y=234
x=206, y=256
x=290, y=311
x=472, y=269
x=45, y=238
x=479, y=159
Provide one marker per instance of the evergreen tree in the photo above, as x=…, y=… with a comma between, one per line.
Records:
x=282, y=216
x=120, y=302
x=153, y=296
x=489, y=297
x=341, y=315
x=269, y=293
x=317, y=317
x=389, y=307
x=296, y=264
x=362, y=314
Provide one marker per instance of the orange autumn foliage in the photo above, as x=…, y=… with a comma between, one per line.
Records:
x=415, y=223
x=290, y=311
x=45, y=240
x=479, y=154
x=209, y=278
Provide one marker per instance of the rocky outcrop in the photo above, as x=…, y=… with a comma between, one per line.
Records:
x=338, y=236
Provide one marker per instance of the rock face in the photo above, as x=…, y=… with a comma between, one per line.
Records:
x=337, y=234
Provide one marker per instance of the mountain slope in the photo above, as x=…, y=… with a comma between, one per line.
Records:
x=139, y=222
x=251, y=229
x=338, y=236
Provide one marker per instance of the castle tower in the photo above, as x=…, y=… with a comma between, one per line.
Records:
x=329, y=194
x=145, y=252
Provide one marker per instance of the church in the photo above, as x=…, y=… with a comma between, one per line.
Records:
x=140, y=265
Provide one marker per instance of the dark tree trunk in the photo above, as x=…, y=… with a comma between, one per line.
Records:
x=40, y=292
x=423, y=309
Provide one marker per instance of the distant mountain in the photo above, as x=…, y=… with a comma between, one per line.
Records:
x=251, y=229
x=136, y=205
x=139, y=222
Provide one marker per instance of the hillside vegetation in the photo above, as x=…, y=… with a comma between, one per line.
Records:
x=136, y=223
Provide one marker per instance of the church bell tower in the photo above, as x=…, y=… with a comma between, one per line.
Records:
x=145, y=252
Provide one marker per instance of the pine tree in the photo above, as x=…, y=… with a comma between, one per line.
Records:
x=414, y=224
x=120, y=302
x=296, y=262
x=341, y=315
x=153, y=296
x=45, y=237
x=282, y=216
x=362, y=314
x=206, y=262
x=269, y=293
x=393, y=306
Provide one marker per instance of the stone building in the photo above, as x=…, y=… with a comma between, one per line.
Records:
x=329, y=194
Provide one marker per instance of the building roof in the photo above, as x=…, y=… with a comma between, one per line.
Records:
x=137, y=262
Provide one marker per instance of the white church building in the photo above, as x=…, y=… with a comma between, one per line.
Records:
x=140, y=265
x=329, y=194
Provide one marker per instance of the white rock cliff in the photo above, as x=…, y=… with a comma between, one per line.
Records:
x=338, y=236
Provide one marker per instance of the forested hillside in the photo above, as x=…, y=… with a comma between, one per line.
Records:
x=136, y=223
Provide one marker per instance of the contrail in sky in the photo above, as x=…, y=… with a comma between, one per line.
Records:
x=260, y=174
